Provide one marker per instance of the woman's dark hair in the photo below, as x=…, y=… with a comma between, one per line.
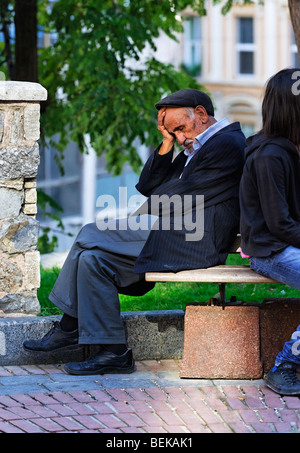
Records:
x=281, y=106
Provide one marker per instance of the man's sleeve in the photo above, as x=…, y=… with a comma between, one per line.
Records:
x=154, y=172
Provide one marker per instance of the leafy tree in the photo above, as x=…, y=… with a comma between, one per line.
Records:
x=109, y=86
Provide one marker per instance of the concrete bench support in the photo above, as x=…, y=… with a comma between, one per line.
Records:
x=221, y=343
x=236, y=342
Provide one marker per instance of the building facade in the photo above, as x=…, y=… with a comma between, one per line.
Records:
x=235, y=55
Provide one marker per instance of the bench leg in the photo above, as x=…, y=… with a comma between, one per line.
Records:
x=219, y=300
x=222, y=294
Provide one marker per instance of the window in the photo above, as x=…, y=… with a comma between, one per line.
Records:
x=245, y=46
x=64, y=189
x=192, y=45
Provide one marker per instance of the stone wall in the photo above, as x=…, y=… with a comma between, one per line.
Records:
x=19, y=160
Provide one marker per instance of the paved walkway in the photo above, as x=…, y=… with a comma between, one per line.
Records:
x=44, y=399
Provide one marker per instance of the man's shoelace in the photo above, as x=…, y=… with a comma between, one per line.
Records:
x=290, y=377
x=52, y=330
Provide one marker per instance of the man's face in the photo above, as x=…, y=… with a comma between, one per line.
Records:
x=184, y=124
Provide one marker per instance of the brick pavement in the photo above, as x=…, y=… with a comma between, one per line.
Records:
x=154, y=400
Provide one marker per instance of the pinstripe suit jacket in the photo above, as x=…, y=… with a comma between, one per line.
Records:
x=215, y=173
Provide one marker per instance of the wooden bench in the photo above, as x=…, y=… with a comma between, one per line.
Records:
x=217, y=274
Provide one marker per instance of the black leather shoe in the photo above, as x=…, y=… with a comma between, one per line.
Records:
x=53, y=340
x=284, y=380
x=103, y=362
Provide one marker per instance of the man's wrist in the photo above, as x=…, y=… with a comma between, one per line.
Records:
x=166, y=147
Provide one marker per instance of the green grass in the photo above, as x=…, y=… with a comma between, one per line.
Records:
x=48, y=278
x=171, y=296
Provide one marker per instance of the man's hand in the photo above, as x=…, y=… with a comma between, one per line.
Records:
x=168, y=139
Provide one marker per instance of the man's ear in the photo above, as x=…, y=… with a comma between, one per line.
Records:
x=202, y=113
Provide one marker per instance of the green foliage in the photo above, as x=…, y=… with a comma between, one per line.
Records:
x=48, y=207
x=48, y=278
x=47, y=244
x=109, y=87
x=201, y=5
x=193, y=71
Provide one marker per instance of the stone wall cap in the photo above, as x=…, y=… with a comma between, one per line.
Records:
x=22, y=91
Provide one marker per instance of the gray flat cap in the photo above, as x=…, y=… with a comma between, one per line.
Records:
x=188, y=97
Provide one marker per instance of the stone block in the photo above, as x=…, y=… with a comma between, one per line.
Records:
x=221, y=343
x=30, y=183
x=16, y=184
x=25, y=302
x=279, y=318
x=155, y=334
x=32, y=122
x=2, y=117
x=10, y=202
x=30, y=196
x=30, y=209
x=18, y=234
x=32, y=270
x=19, y=162
x=11, y=276
x=16, y=126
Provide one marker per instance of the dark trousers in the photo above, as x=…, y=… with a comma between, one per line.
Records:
x=99, y=266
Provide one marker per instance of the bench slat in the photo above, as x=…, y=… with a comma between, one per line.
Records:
x=216, y=274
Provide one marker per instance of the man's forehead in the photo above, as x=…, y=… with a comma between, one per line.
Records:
x=175, y=114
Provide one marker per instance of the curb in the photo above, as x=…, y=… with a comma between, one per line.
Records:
x=153, y=335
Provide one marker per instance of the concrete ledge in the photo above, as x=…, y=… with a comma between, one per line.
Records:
x=151, y=335
x=157, y=335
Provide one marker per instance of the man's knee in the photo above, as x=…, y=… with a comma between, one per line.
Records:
x=91, y=258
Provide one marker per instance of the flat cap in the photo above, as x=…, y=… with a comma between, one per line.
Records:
x=187, y=97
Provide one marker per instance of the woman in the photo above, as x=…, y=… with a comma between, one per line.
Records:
x=270, y=206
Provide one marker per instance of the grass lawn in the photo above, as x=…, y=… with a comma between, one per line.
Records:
x=173, y=296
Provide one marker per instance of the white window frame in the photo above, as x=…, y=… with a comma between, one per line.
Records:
x=244, y=47
x=192, y=46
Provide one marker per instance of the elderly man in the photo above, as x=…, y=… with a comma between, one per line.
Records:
x=105, y=262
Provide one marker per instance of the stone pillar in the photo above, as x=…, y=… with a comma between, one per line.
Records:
x=19, y=160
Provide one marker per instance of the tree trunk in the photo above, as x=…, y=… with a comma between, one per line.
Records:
x=7, y=48
x=26, y=58
x=294, y=7
x=7, y=51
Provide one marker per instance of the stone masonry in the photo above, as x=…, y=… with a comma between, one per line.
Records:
x=19, y=229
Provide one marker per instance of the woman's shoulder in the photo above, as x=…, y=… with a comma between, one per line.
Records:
x=271, y=147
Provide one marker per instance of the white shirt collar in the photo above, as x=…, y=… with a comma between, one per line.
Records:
x=204, y=136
